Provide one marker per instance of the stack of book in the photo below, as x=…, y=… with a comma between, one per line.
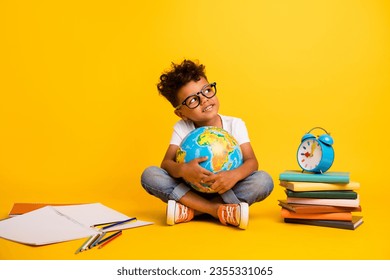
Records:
x=329, y=199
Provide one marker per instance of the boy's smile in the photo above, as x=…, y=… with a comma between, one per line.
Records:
x=208, y=108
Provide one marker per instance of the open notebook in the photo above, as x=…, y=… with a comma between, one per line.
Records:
x=53, y=224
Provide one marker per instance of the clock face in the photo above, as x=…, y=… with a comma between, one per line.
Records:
x=309, y=154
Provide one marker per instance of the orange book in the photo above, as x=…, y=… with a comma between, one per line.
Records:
x=20, y=208
x=339, y=216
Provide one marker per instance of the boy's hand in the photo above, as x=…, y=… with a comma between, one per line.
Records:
x=196, y=174
x=221, y=182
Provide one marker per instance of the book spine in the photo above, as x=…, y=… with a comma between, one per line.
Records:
x=322, y=223
x=323, y=194
x=324, y=201
x=314, y=179
x=316, y=186
x=297, y=208
x=341, y=216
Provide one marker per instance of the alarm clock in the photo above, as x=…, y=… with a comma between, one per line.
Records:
x=316, y=154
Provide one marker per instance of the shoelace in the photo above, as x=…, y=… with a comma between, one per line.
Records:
x=183, y=213
x=229, y=215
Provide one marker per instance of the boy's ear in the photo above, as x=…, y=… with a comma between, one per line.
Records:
x=180, y=114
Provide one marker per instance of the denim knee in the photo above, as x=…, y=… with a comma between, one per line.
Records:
x=156, y=181
x=256, y=187
x=266, y=185
x=149, y=175
x=151, y=183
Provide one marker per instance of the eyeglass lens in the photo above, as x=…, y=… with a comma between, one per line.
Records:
x=193, y=101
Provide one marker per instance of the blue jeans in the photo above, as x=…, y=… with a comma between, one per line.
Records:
x=254, y=188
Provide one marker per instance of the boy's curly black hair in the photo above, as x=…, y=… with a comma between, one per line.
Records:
x=180, y=74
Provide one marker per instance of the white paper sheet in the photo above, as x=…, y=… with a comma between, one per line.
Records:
x=91, y=214
x=43, y=226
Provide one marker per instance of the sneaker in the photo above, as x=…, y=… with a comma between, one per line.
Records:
x=234, y=214
x=178, y=213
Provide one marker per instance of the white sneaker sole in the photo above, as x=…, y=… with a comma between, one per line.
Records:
x=171, y=212
x=244, y=215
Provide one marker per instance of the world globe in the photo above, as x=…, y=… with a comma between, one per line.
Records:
x=221, y=148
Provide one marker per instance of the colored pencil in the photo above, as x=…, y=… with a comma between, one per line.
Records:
x=98, y=239
x=112, y=237
x=107, y=238
x=92, y=241
x=119, y=223
x=82, y=246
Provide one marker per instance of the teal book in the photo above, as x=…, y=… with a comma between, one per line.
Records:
x=327, y=177
x=323, y=194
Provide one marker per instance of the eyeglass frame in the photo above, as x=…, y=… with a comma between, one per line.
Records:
x=214, y=84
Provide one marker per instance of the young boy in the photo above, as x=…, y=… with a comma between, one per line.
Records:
x=195, y=101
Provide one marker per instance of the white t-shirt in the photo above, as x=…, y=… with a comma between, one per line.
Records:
x=234, y=126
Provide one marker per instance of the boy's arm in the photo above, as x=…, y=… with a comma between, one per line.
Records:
x=191, y=172
x=250, y=163
x=169, y=162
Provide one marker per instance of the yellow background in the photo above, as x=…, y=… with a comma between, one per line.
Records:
x=80, y=116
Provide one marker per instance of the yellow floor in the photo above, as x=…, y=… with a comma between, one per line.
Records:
x=80, y=116
x=267, y=237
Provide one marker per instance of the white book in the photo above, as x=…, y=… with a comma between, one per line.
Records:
x=325, y=201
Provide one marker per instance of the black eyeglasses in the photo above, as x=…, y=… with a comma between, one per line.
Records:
x=193, y=101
